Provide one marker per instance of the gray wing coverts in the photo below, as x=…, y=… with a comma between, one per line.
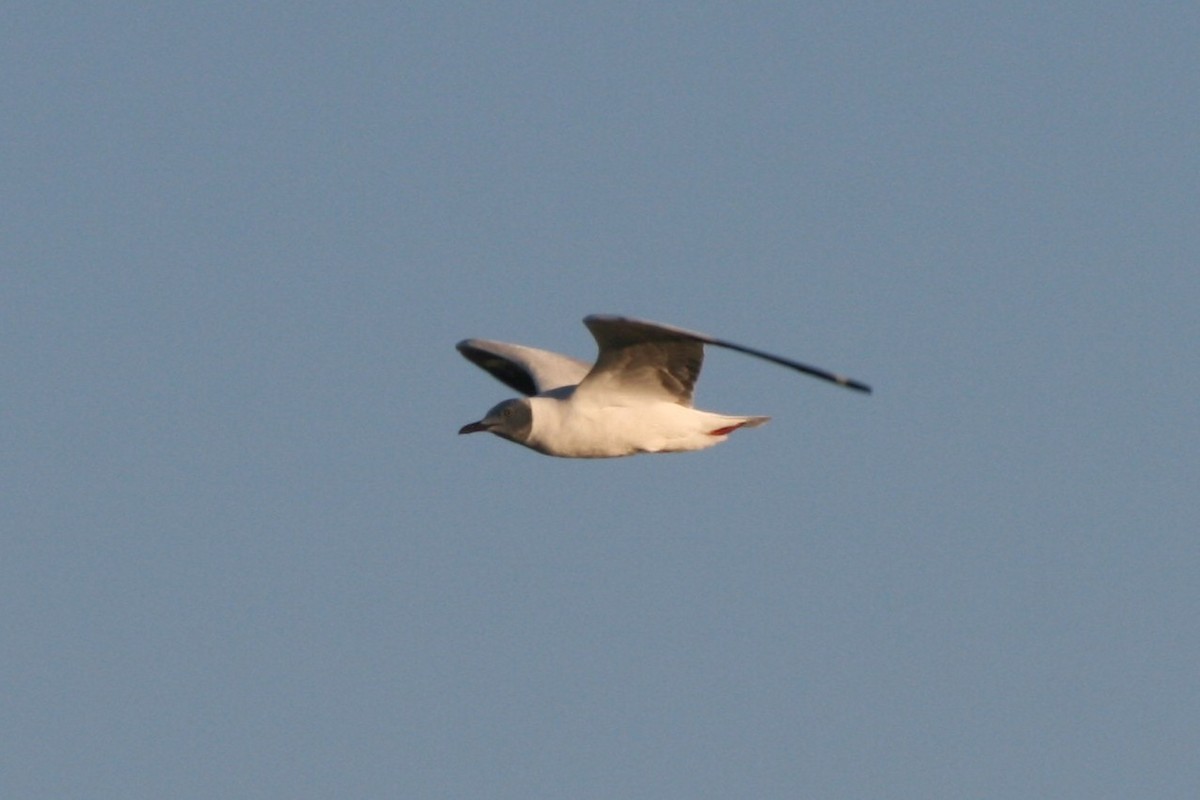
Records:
x=646, y=358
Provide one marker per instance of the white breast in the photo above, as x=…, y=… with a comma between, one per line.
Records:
x=578, y=430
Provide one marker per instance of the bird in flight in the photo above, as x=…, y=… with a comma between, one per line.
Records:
x=636, y=398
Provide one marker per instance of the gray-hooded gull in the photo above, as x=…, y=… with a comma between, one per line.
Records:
x=636, y=398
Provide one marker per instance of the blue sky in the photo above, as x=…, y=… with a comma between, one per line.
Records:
x=245, y=554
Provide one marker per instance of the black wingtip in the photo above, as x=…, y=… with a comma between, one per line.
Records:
x=853, y=384
x=511, y=375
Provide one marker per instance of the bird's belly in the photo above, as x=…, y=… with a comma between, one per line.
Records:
x=613, y=431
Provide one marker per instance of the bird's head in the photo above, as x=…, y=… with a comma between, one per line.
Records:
x=512, y=420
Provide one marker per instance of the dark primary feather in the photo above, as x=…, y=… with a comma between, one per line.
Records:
x=505, y=371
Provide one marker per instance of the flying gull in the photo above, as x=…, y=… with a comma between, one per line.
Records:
x=636, y=398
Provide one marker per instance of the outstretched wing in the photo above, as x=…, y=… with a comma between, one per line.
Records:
x=642, y=359
x=528, y=370
x=649, y=358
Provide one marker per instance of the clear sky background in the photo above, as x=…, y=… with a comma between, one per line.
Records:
x=244, y=553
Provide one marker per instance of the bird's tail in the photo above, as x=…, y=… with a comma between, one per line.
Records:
x=738, y=422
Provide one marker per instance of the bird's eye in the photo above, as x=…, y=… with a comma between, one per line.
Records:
x=506, y=413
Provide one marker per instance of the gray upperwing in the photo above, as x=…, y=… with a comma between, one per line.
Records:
x=643, y=359
x=528, y=370
x=623, y=331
